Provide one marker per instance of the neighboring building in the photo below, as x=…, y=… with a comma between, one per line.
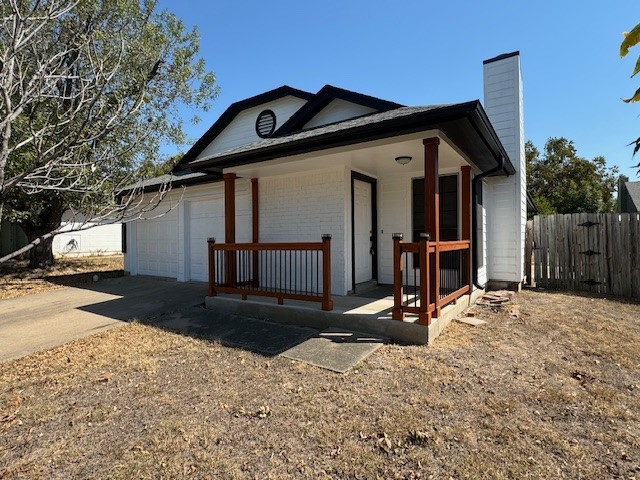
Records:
x=97, y=240
x=628, y=197
x=307, y=164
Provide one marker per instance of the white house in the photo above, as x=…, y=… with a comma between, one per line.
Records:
x=279, y=170
x=97, y=240
x=92, y=238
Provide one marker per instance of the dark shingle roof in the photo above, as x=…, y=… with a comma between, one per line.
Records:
x=324, y=97
x=465, y=124
x=155, y=183
x=231, y=112
x=369, y=119
x=634, y=193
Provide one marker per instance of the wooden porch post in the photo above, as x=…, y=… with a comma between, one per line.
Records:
x=432, y=215
x=230, y=224
x=255, y=224
x=466, y=219
x=212, y=267
x=327, y=302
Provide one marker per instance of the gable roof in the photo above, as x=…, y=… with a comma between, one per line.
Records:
x=230, y=113
x=324, y=97
x=633, y=189
x=466, y=124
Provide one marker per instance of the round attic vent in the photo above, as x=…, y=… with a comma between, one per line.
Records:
x=265, y=123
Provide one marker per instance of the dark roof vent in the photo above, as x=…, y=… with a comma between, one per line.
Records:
x=265, y=123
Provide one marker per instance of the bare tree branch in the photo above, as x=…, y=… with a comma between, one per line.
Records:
x=88, y=92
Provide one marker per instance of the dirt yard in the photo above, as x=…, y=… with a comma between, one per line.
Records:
x=16, y=280
x=552, y=394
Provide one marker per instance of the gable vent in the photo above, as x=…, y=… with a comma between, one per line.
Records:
x=265, y=123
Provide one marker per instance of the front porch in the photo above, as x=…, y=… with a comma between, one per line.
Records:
x=369, y=312
x=431, y=275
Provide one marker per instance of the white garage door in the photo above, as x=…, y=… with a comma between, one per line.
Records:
x=157, y=246
x=206, y=219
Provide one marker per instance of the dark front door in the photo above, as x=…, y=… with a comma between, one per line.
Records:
x=448, y=207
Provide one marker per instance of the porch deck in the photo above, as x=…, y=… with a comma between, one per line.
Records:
x=368, y=311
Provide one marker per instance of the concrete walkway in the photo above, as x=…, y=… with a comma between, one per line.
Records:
x=46, y=320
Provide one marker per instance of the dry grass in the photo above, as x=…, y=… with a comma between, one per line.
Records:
x=553, y=394
x=16, y=280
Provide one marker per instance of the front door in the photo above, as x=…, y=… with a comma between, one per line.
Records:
x=362, y=231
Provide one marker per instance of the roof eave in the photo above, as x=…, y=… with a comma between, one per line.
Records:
x=497, y=146
x=230, y=113
x=350, y=136
x=413, y=123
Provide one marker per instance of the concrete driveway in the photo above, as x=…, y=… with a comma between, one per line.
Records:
x=36, y=322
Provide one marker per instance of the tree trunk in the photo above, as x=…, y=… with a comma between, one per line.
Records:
x=42, y=254
x=48, y=220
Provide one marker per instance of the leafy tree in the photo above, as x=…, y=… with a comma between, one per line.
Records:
x=151, y=169
x=562, y=182
x=631, y=39
x=89, y=89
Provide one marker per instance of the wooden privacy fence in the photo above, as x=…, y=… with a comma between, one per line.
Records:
x=597, y=252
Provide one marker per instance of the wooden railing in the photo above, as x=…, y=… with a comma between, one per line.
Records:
x=294, y=271
x=442, y=275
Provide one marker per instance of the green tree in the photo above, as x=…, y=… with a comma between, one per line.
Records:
x=89, y=90
x=560, y=181
x=630, y=40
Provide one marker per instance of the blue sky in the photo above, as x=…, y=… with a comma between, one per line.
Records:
x=424, y=52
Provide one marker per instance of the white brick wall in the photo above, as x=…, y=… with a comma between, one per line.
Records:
x=394, y=213
x=507, y=214
x=302, y=207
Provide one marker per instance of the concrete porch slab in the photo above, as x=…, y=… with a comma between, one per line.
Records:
x=336, y=349
x=353, y=313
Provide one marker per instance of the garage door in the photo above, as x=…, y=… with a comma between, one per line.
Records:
x=157, y=246
x=206, y=219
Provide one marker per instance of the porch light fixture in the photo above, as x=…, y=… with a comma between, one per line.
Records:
x=403, y=159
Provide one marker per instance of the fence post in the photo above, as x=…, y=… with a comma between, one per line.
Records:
x=212, y=267
x=528, y=253
x=424, y=317
x=397, y=313
x=327, y=303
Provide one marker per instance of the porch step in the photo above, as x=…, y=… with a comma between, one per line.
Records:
x=353, y=319
x=357, y=314
x=335, y=349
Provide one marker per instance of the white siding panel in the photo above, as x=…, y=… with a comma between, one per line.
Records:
x=337, y=111
x=242, y=129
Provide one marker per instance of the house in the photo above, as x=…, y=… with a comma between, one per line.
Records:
x=628, y=196
x=93, y=238
x=279, y=170
x=97, y=240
